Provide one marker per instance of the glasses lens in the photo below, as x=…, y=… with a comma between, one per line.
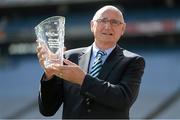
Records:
x=113, y=22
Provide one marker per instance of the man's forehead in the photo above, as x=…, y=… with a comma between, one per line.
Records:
x=108, y=10
x=110, y=14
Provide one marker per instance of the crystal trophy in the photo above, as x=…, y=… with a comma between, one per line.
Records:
x=50, y=33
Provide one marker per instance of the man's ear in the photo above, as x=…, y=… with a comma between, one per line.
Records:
x=92, y=25
x=123, y=28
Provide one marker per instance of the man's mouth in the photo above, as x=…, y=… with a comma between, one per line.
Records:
x=107, y=34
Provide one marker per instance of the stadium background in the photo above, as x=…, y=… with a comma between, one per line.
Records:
x=153, y=31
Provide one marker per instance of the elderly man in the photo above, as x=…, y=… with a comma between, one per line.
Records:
x=99, y=81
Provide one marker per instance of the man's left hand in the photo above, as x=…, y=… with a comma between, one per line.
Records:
x=70, y=72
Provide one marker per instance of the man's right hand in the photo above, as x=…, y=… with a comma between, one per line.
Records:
x=42, y=52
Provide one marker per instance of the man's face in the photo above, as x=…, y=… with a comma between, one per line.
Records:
x=108, y=27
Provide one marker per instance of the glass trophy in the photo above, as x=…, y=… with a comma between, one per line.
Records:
x=50, y=33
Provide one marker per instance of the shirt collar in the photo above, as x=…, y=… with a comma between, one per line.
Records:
x=96, y=49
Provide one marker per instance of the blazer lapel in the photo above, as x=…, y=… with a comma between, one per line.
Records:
x=111, y=61
x=84, y=59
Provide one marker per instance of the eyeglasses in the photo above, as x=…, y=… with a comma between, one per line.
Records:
x=113, y=22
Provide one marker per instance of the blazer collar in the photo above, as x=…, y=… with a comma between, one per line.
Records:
x=115, y=56
x=84, y=58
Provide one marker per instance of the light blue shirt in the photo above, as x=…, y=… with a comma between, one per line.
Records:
x=95, y=49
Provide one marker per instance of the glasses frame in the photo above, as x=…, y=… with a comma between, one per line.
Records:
x=112, y=22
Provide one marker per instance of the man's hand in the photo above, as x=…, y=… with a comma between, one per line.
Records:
x=42, y=52
x=70, y=72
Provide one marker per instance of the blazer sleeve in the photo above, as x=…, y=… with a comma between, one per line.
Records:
x=119, y=95
x=50, y=96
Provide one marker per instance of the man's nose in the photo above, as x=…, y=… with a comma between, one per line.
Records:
x=107, y=25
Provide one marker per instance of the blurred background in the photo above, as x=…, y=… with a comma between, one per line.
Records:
x=153, y=31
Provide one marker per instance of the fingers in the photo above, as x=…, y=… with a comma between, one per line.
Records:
x=68, y=62
x=41, y=43
x=68, y=65
x=64, y=49
x=41, y=52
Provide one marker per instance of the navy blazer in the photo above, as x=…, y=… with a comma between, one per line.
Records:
x=109, y=96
